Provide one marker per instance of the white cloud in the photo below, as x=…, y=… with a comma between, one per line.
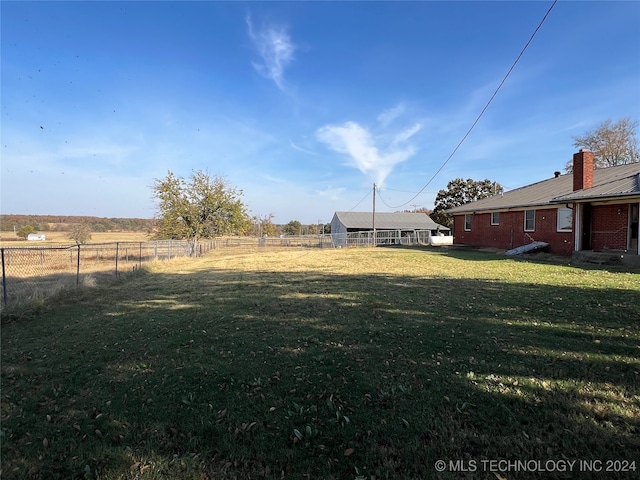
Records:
x=388, y=116
x=300, y=149
x=361, y=147
x=407, y=134
x=331, y=193
x=276, y=49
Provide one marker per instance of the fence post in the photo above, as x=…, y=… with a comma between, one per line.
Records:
x=78, y=268
x=140, y=257
x=117, y=258
x=4, y=279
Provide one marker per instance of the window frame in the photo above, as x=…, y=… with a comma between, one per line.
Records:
x=562, y=214
x=467, y=222
x=533, y=221
x=493, y=219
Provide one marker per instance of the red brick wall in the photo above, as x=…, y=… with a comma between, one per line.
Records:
x=582, y=170
x=609, y=227
x=510, y=233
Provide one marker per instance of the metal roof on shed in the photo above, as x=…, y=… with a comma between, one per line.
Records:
x=389, y=221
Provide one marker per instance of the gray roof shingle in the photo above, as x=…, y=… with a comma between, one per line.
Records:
x=622, y=186
x=611, y=182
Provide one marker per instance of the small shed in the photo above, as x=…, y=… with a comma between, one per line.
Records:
x=38, y=237
x=354, y=228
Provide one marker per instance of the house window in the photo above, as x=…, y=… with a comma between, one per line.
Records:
x=529, y=220
x=495, y=218
x=467, y=222
x=565, y=219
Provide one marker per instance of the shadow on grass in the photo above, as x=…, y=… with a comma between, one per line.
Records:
x=541, y=258
x=223, y=374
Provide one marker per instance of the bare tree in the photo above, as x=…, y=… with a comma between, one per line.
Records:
x=79, y=233
x=264, y=226
x=611, y=143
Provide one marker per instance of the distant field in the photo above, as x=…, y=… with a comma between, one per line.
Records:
x=9, y=239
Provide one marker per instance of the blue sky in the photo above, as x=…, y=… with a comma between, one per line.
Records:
x=302, y=105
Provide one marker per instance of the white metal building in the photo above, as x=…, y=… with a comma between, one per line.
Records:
x=36, y=237
x=391, y=228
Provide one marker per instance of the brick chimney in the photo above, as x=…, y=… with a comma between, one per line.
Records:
x=582, y=169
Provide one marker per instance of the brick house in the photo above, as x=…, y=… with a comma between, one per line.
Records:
x=589, y=209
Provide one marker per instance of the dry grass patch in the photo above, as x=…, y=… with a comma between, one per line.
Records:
x=9, y=239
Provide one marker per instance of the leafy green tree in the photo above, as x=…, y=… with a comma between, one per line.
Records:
x=199, y=207
x=458, y=193
x=294, y=227
x=80, y=233
x=23, y=232
x=611, y=144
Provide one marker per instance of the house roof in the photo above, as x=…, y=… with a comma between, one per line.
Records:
x=627, y=183
x=389, y=221
x=612, y=182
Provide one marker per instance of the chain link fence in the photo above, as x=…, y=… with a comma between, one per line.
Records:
x=31, y=271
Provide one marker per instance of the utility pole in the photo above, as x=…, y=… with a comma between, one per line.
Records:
x=374, y=215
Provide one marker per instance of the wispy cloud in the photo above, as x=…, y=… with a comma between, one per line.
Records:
x=406, y=134
x=388, y=116
x=363, y=148
x=273, y=179
x=276, y=49
x=331, y=193
x=97, y=155
x=300, y=149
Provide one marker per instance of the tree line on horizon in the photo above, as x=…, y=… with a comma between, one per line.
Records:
x=25, y=224
x=64, y=223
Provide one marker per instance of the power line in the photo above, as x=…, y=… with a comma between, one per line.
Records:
x=363, y=199
x=382, y=199
x=379, y=191
x=402, y=191
x=483, y=110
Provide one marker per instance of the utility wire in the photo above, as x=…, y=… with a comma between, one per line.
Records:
x=396, y=190
x=382, y=199
x=363, y=199
x=483, y=110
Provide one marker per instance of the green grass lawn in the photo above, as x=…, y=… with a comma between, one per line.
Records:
x=332, y=364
